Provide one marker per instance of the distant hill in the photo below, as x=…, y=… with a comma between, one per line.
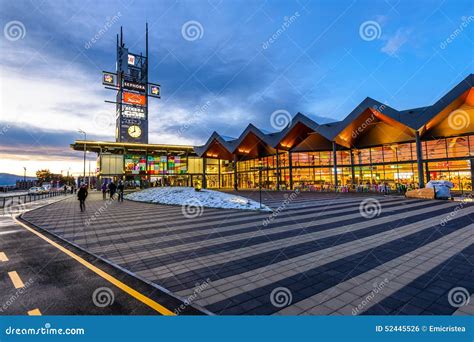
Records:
x=10, y=179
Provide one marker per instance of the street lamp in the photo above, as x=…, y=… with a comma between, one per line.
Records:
x=85, y=138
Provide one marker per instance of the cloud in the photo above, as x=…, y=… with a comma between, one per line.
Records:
x=394, y=43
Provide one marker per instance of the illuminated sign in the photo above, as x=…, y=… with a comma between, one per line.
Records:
x=134, y=86
x=135, y=99
x=154, y=90
x=133, y=112
x=109, y=79
x=131, y=59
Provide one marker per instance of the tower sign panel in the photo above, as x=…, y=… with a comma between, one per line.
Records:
x=130, y=81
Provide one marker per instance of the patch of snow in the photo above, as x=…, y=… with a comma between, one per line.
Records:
x=188, y=196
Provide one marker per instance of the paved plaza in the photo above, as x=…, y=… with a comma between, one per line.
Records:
x=317, y=254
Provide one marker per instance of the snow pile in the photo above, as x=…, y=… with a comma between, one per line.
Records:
x=204, y=198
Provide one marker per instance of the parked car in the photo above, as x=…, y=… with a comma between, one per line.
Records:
x=36, y=190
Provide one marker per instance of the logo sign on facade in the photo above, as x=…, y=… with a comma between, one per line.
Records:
x=135, y=99
x=109, y=79
x=134, y=86
x=133, y=112
x=131, y=59
x=154, y=90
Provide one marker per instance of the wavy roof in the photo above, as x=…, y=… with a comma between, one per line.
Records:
x=410, y=119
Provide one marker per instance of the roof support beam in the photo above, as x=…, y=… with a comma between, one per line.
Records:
x=334, y=157
x=419, y=158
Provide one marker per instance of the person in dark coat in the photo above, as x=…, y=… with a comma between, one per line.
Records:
x=81, y=196
x=112, y=189
x=120, y=189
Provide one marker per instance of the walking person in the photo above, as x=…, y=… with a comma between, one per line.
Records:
x=81, y=196
x=120, y=189
x=104, y=190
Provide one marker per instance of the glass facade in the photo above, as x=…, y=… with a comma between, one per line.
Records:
x=380, y=168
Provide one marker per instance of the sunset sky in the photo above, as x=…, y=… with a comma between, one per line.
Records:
x=250, y=58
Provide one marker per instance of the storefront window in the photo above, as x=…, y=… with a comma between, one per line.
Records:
x=435, y=149
x=458, y=147
x=135, y=163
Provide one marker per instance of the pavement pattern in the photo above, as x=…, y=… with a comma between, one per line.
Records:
x=317, y=254
x=37, y=278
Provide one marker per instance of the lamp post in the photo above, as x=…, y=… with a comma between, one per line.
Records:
x=85, y=138
x=260, y=169
x=24, y=174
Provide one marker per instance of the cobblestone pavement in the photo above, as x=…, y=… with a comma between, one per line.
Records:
x=317, y=254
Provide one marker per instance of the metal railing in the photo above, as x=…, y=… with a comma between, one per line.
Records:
x=26, y=198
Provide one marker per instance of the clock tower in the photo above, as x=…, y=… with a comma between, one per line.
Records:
x=130, y=81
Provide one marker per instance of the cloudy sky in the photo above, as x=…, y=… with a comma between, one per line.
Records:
x=221, y=65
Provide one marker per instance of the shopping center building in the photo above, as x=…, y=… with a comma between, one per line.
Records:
x=375, y=147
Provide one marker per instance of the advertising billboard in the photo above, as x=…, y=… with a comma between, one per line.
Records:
x=154, y=90
x=135, y=99
x=134, y=86
x=109, y=79
x=133, y=112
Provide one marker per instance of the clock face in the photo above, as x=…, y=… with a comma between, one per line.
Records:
x=134, y=131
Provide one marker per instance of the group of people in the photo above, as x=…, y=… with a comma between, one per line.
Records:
x=111, y=188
